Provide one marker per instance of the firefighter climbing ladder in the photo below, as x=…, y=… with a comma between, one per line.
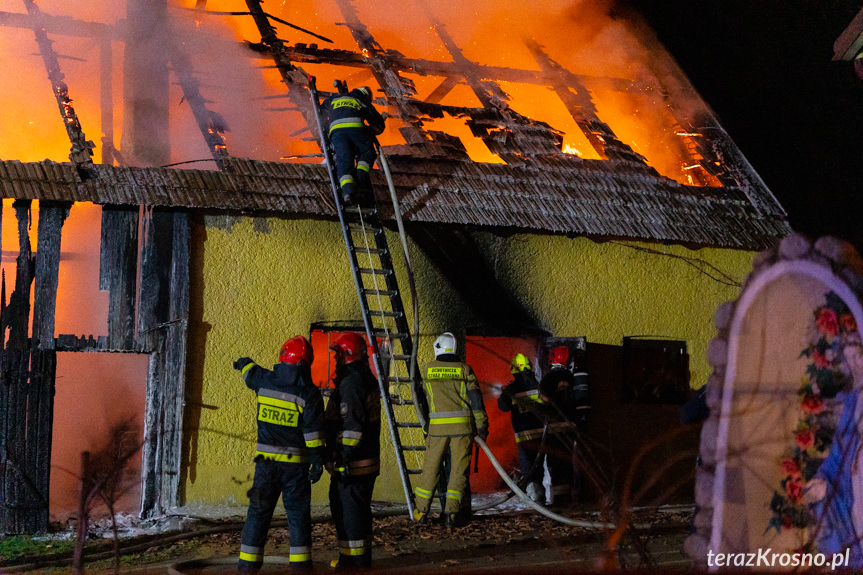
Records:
x=384, y=317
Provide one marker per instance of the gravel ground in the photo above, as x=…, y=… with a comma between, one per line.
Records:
x=506, y=538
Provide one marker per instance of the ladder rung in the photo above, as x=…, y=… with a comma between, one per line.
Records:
x=414, y=471
x=390, y=334
x=398, y=400
x=400, y=357
x=413, y=447
x=387, y=293
x=362, y=228
x=407, y=424
x=383, y=313
x=375, y=271
x=373, y=251
x=357, y=209
x=396, y=379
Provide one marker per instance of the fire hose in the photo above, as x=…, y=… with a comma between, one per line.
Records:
x=524, y=497
x=411, y=283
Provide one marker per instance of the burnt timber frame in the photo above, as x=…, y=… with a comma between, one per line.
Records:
x=157, y=325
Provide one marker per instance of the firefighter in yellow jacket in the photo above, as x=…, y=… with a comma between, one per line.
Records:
x=456, y=415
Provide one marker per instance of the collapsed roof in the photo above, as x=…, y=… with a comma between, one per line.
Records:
x=532, y=182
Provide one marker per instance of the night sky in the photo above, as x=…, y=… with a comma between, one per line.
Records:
x=765, y=67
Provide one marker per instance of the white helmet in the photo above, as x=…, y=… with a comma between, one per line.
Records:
x=445, y=343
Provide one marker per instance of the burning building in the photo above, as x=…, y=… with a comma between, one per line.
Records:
x=558, y=179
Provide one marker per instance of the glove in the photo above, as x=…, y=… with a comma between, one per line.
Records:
x=315, y=472
x=241, y=363
x=482, y=433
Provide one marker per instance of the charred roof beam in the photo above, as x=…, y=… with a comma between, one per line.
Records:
x=82, y=149
x=295, y=78
x=312, y=54
x=515, y=136
x=580, y=105
x=57, y=25
x=211, y=124
x=399, y=91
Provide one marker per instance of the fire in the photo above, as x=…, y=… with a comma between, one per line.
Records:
x=582, y=39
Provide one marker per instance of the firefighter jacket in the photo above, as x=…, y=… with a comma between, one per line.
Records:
x=567, y=397
x=353, y=416
x=290, y=413
x=454, y=398
x=352, y=111
x=521, y=399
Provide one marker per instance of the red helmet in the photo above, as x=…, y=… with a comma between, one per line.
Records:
x=559, y=355
x=349, y=347
x=295, y=350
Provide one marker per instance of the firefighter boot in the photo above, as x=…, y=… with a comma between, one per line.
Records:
x=420, y=517
x=449, y=521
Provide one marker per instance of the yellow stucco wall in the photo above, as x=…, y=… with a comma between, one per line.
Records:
x=257, y=282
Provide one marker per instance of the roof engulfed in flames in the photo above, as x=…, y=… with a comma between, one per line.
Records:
x=570, y=110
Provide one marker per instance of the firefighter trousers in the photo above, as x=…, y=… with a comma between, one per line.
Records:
x=351, y=508
x=559, y=460
x=351, y=144
x=291, y=482
x=460, y=447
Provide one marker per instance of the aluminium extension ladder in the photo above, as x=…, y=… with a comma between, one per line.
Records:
x=384, y=318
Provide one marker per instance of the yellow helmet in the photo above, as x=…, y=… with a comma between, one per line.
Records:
x=519, y=363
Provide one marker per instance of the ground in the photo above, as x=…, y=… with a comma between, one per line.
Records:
x=510, y=538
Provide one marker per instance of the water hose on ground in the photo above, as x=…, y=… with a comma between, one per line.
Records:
x=550, y=514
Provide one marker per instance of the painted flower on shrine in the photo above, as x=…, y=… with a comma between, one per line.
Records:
x=790, y=467
x=826, y=321
x=794, y=489
x=825, y=376
x=847, y=322
x=804, y=439
x=812, y=404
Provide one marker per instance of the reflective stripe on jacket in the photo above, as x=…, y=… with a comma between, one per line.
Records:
x=521, y=398
x=353, y=416
x=347, y=111
x=290, y=413
x=454, y=399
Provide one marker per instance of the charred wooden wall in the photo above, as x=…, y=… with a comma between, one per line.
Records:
x=27, y=374
x=155, y=325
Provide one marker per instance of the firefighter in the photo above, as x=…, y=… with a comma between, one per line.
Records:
x=521, y=399
x=567, y=404
x=289, y=455
x=353, y=417
x=456, y=415
x=353, y=124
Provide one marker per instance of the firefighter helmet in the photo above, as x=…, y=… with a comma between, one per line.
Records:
x=559, y=355
x=445, y=343
x=296, y=350
x=519, y=363
x=349, y=347
x=365, y=93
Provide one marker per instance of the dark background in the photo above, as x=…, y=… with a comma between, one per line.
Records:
x=766, y=69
